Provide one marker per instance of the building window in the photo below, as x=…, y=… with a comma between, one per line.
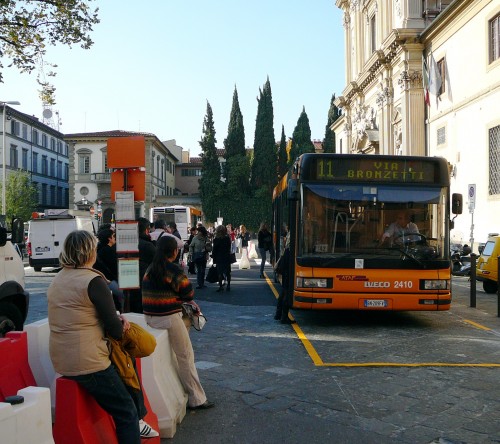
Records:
x=53, y=195
x=494, y=38
x=105, y=163
x=60, y=197
x=59, y=147
x=441, y=136
x=191, y=172
x=35, y=163
x=52, y=144
x=44, y=140
x=373, y=34
x=45, y=165
x=35, y=137
x=25, y=131
x=35, y=185
x=14, y=126
x=59, y=170
x=494, y=158
x=442, y=72
x=14, y=161
x=25, y=159
x=84, y=163
x=53, y=167
x=44, y=194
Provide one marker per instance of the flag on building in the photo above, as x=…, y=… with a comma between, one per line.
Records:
x=425, y=80
x=434, y=77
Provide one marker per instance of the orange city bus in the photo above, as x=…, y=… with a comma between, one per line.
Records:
x=337, y=207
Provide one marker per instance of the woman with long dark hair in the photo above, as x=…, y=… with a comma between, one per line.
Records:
x=164, y=288
x=221, y=255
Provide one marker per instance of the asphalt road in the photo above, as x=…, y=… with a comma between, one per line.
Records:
x=338, y=377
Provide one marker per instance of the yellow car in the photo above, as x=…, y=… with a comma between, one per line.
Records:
x=487, y=265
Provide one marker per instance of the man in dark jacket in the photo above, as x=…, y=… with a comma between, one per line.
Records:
x=284, y=299
x=147, y=251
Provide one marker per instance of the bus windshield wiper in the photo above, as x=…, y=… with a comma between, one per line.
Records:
x=408, y=255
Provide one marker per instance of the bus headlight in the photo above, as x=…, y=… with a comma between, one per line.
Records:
x=312, y=282
x=435, y=284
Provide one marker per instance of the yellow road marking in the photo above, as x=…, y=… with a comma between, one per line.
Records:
x=475, y=324
x=318, y=362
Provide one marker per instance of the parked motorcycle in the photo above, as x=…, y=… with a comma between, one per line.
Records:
x=460, y=261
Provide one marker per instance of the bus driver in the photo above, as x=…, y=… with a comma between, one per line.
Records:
x=398, y=230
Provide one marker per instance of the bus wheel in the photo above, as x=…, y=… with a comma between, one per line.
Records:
x=490, y=286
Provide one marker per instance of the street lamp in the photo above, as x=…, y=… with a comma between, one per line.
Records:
x=4, y=104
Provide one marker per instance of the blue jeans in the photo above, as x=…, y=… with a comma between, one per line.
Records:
x=201, y=266
x=107, y=388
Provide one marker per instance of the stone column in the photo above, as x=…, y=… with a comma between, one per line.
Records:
x=412, y=103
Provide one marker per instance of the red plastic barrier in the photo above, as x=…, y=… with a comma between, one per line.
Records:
x=80, y=420
x=15, y=371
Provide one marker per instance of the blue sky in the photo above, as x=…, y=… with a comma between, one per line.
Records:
x=155, y=64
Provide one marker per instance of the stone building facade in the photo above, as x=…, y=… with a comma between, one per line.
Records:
x=383, y=104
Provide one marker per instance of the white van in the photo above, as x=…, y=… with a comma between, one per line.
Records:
x=46, y=237
x=14, y=299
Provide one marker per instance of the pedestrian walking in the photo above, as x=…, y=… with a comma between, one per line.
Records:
x=198, y=251
x=221, y=254
x=244, y=237
x=265, y=243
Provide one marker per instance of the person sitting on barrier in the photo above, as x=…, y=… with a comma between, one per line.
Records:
x=400, y=230
x=81, y=312
x=164, y=288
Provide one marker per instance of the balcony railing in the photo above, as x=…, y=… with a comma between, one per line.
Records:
x=101, y=177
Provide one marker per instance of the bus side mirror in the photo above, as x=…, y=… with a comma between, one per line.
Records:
x=293, y=189
x=456, y=203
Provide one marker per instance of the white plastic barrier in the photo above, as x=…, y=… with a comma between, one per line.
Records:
x=39, y=359
x=161, y=381
x=28, y=422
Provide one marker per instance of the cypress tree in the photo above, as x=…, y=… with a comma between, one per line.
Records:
x=235, y=170
x=282, y=155
x=333, y=115
x=265, y=161
x=210, y=183
x=301, y=139
x=234, y=144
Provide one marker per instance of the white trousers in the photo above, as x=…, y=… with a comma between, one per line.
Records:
x=183, y=349
x=244, y=262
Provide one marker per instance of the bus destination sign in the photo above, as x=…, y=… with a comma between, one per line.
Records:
x=374, y=170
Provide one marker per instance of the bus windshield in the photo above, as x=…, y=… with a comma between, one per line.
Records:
x=373, y=220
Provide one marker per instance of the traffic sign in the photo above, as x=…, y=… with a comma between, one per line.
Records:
x=472, y=196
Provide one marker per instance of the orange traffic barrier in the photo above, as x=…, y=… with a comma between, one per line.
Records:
x=80, y=420
x=15, y=371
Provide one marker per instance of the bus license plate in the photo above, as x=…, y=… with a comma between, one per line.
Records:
x=381, y=303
